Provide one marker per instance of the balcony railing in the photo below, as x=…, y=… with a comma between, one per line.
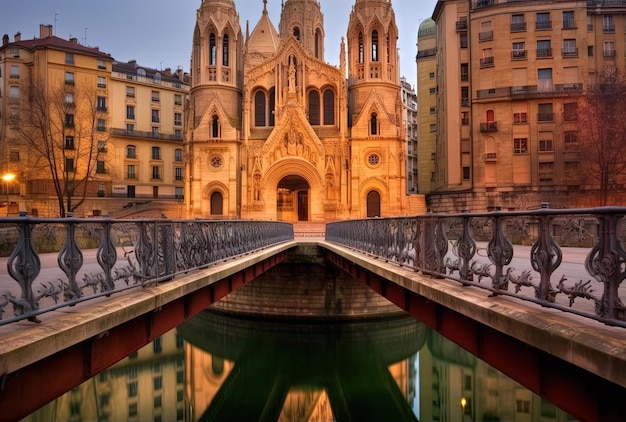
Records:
x=145, y=135
x=130, y=254
x=461, y=25
x=478, y=249
x=486, y=62
x=427, y=53
x=489, y=127
x=518, y=27
x=530, y=91
x=485, y=36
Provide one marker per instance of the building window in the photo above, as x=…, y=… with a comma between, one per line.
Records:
x=69, y=120
x=178, y=192
x=520, y=118
x=520, y=146
x=158, y=382
x=178, y=173
x=101, y=104
x=568, y=20
x=373, y=124
x=374, y=46
x=131, y=152
x=590, y=50
x=156, y=153
x=158, y=402
x=329, y=107
x=545, y=113
x=156, y=173
x=466, y=173
x=543, y=21
x=130, y=91
x=296, y=32
x=69, y=142
x=465, y=118
x=463, y=40
x=545, y=142
x=130, y=128
x=132, y=389
x=570, y=110
x=608, y=49
x=608, y=24
x=570, y=140
x=101, y=64
x=155, y=96
x=178, y=134
x=102, y=82
x=69, y=59
x=101, y=125
x=486, y=59
x=69, y=164
x=569, y=48
x=69, y=78
x=519, y=50
x=155, y=116
x=102, y=146
x=225, y=50
x=15, y=72
x=544, y=48
x=156, y=134
x=178, y=99
x=433, y=128
x=361, y=48
x=464, y=72
x=100, y=168
x=178, y=119
x=314, y=108
x=259, y=109
x=432, y=90
x=431, y=75
x=130, y=112
x=212, y=50
x=546, y=172
x=130, y=171
x=14, y=92
x=517, y=23
x=215, y=126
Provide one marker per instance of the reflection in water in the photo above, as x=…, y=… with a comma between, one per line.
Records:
x=216, y=367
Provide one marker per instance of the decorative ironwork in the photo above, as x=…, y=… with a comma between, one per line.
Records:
x=130, y=254
x=425, y=244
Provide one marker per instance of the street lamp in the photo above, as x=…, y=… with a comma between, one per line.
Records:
x=8, y=178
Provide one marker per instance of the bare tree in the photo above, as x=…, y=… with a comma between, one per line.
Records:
x=62, y=130
x=601, y=133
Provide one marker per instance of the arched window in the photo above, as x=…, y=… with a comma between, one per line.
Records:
x=296, y=32
x=388, y=49
x=131, y=151
x=318, y=44
x=373, y=204
x=373, y=124
x=259, y=108
x=225, y=50
x=141, y=72
x=361, y=48
x=329, y=107
x=157, y=77
x=212, y=50
x=314, y=108
x=215, y=127
x=272, y=106
x=217, y=203
x=374, y=46
x=490, y=116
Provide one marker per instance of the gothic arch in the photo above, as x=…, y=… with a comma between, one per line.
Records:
x=373, y=184
x=211, y=187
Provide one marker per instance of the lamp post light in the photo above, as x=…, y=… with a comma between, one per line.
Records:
x=8, y=178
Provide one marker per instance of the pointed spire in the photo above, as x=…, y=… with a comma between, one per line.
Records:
x=264, y=6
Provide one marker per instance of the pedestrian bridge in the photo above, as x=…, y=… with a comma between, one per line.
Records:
x=535, y=294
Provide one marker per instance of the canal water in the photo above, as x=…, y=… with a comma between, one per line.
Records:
x=216, y=367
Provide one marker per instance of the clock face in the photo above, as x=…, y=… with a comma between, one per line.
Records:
x=215, y=162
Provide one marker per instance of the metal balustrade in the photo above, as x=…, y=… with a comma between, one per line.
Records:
x=569, y=259
x=123, y=254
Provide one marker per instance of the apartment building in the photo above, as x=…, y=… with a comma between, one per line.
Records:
x=409, y=117
x=509, y=74
x=113, y=133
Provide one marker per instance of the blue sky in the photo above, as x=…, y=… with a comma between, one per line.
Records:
x=158, y=33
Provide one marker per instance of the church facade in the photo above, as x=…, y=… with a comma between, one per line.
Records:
x=274, y=132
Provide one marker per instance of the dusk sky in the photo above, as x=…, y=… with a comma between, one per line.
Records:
x=158, y=33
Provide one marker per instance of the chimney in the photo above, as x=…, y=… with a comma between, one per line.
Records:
x=45, y=31
x=18, y=37
x=5, y=39
x=168, y=71
x=74, y=40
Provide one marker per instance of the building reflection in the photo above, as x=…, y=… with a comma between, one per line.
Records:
x=218, y=367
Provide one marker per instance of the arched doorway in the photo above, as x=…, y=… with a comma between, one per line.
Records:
x=373, y=204
x=292, y=199
x=217, y=203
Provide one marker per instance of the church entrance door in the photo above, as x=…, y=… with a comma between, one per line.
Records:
x=292, y=199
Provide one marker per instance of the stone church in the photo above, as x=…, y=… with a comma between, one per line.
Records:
x=276, y=133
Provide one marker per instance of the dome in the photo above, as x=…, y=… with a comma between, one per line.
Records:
x=428, y=27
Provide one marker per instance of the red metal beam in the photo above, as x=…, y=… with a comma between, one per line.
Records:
x=575, y=390
x=26, y=390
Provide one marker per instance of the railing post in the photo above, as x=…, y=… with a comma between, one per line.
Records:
x=466, y=249
x=24, y=266
x=107, y=256
x=500, y=253
x=606, y=262
x=545, y=257
x=70, y=260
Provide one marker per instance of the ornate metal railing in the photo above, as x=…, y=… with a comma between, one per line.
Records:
x=102, y=256
x=573, y=260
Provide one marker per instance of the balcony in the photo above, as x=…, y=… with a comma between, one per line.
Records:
x=427, y=53
x=489, y=127
x=545, y=117
x=485, y=36
x=518, y=27
x=486, y=62
x=477, y=4
x=144, y=135
x=543, y=25
x=461, y=26
x=543, y=53
x=570, y=52
x=519, y=54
